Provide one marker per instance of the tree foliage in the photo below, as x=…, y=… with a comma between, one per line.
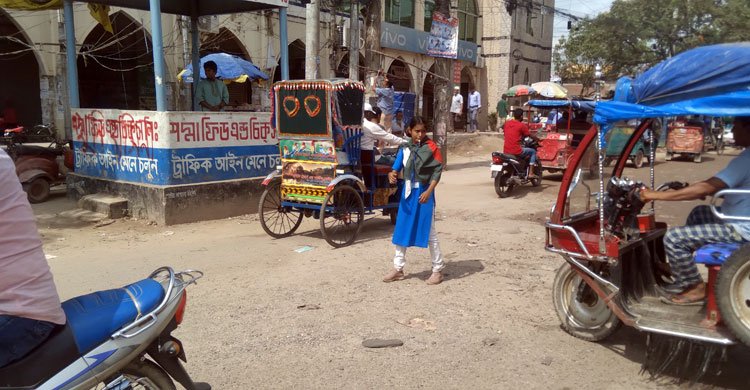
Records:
x=635, y=34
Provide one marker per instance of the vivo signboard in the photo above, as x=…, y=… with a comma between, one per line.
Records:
x=408, y=39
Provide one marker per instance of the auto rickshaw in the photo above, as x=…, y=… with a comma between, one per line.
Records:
x=615, y=268
x=617, y=137
x=685, y=139
x=322, y=174
x=559, y=141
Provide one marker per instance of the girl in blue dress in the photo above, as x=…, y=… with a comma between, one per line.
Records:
x=421, y=163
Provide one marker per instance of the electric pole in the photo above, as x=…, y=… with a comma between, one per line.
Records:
x=441, y=96
x=312, y=32
x=354, y=41
x=373, y=59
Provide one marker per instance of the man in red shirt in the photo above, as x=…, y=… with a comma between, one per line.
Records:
x=515, y=131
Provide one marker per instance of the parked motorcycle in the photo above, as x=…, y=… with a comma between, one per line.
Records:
x=39, y=168
x=510, y=170
x=22, y=134
x=107, y=337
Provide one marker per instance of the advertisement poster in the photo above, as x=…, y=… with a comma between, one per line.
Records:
x=300, y=173
x=443, y=40
x=307, y=150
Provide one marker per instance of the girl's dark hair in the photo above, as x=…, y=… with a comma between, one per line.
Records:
x=416, y=120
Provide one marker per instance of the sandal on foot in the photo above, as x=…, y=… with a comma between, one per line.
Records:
x=394, y=275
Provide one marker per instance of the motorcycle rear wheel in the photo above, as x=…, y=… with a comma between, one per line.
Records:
x=502, y=186
x=733, y=293
x=141, y=374
x=581, y=312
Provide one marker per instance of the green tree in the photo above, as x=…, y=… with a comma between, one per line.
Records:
x=634, y=34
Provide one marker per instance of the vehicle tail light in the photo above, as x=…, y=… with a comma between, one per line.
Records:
x=181, y=308
x=497, y=160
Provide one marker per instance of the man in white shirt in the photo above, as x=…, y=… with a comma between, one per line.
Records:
x=457, y=105
x=372, y=132
x=29, y=305
x=475, y=103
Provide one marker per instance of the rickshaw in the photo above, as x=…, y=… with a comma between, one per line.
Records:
x=617, y=137
x=322, y=174
x=559, y=142
x=714, y=138
x=685, y=139
x=615, y=267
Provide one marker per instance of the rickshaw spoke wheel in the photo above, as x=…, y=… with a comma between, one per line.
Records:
x=581, y=312
x=277, y=221
x=341, y=216
x=733, y=293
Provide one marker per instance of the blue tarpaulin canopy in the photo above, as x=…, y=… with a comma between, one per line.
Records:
x=584, y=105
x=711, y=80
x=230, y=67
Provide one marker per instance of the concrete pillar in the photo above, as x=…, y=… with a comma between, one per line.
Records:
x=70, y=49
x=284, y=44
x=312, y=40
x=157, y=46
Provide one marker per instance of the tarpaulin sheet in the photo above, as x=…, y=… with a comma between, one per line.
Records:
x=584, y=105
x=29, y=5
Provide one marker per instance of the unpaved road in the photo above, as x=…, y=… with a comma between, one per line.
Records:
x=490, y=325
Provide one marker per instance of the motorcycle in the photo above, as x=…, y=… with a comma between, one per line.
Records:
x=510, y=170
x=38, y=167
x=107, y=337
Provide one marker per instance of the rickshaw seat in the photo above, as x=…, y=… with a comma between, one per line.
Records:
x=715, y=254
x=352, y=144
x=382, y=169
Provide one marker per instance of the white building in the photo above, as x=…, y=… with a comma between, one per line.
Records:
x=501, y=44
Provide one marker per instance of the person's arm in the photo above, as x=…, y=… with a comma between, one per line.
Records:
x=692, y=192
x=224, y=97
x=428, y=192
x=380, y=134
x=396, y=167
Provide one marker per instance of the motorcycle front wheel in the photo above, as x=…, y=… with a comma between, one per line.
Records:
x=140, y=374
x=581, y=312
x=503, y=185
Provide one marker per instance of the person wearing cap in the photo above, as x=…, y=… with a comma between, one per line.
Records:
x=372, y=132
x=457, y=105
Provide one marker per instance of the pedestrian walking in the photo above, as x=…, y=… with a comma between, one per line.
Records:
x=457, y=106
x=475, y=103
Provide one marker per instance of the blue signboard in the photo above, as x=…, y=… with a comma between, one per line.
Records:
x=397, y=37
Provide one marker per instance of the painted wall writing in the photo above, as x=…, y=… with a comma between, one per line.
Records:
x=169, y=148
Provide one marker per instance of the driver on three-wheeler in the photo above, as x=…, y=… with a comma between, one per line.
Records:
x=702, y=226
x=621, y=262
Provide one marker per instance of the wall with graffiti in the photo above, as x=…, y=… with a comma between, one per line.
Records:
x=169, y=148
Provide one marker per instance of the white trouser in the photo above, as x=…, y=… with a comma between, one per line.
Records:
x=399, y=260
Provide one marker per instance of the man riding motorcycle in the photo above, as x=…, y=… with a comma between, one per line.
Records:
x=29, y=305
x=702, y=227
x=515, y=131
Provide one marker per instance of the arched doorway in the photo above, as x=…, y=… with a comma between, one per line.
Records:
x=296, y=62
x=399, y=73
x=20, y=70
x=467, y=81
x=117, y=70
x=240, y=94
x=343, y=69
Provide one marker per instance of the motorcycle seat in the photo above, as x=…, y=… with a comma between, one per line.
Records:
x=506, y=156
x=95, y=317
x=31, y=150
x=715, y=254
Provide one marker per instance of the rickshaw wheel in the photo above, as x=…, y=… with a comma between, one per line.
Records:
x=341, y=216
x=733, y=293
x=276, y=220
x=502, y=187
x=581, y=312
x=37, y=190
x=698, y=158
x=538, y=171
x=638, y=159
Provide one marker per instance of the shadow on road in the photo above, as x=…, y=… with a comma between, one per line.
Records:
x=469, y=164
x=453, y=270
x=732, y=374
